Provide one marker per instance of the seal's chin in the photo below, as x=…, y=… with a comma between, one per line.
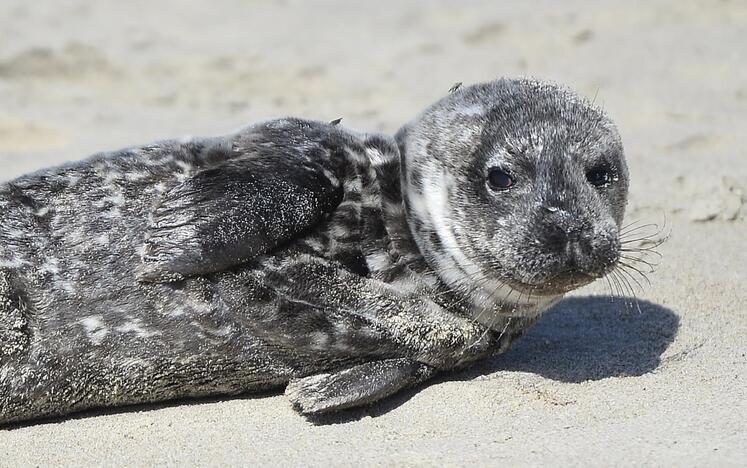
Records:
x=557, y=284
x=498, y=315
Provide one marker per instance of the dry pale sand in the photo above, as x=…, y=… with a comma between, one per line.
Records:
x=595, y=383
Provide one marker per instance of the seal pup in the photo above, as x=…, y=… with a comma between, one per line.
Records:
x=345, y=266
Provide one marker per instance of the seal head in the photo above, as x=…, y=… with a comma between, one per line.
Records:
x=515, y=191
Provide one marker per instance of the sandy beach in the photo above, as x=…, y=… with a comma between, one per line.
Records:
x=597, y=382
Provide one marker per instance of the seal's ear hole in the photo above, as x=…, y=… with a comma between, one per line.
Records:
x=599, y=176
x=498, y=179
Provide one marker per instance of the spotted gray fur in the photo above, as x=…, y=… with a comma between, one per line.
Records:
x=344, y=265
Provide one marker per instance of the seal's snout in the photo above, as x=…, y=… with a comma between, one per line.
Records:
x=583, y=249
x=592, y=255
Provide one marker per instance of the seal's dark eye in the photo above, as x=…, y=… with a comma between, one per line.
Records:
x=599, y=177
x=499, y=180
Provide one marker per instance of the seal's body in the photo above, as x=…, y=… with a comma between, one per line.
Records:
x=345, y=265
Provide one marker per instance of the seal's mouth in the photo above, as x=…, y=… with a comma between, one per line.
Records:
x=557, y=284
x=569, y=275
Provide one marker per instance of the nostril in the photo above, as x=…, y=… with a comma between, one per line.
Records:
x=561, y=237
x=574, y=235
x=580, y=250
x=556, y=237
x=593, y=257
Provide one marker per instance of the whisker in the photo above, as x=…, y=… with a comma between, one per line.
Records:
x=630, y=289
x=492, y=323
x=505, y=327
x=625, y=232
x=648, y=250
x=630, y=275
x=631, y=267
x=652, y=266
x=484, y=309
x=631, y=224
x=612, y=292
x=619, y=287
x=639, y=239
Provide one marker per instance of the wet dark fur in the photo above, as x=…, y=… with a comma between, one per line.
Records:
x=278, y=254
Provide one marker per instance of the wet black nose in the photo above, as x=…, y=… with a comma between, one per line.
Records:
x=559, y=237
x=581, y=249
x=582, y=257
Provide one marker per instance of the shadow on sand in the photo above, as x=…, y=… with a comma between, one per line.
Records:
x=590, y=338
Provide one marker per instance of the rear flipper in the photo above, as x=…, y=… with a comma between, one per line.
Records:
x=357, y=386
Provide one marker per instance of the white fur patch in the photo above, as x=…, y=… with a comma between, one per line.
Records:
x=136, y=176
x=14, y=233
x=331, y=177
x=176, y=312
x=474, y=109
x=159, y=187
x=352, y=185
x=50, y=266
x=95, y=328
x=339, y=231
x=13, y=263
x=102, y=240
x=319, y=340
x=376, y=157
x=135, y=326
x=378, y=261
x=186, y=171
x=116, y=199
x=114, y=213
x=42, y=211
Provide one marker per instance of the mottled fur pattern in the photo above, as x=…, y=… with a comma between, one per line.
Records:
x=297, y=251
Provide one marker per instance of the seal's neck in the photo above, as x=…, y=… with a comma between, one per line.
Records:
x=391, y=248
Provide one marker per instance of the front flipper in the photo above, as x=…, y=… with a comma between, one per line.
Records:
x=357, y=386
x=229, y=214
